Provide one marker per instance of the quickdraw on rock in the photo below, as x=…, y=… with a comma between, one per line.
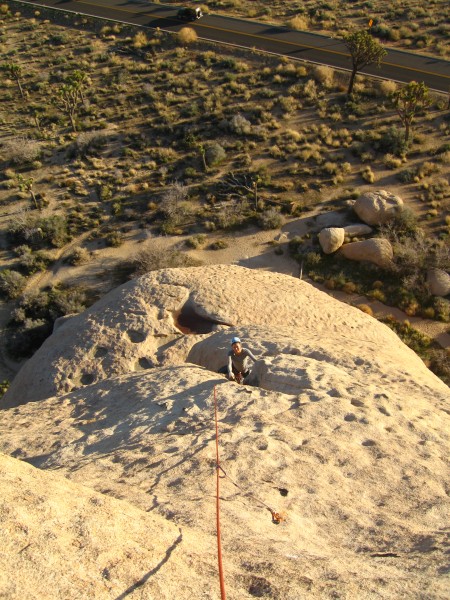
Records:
x=277, y=518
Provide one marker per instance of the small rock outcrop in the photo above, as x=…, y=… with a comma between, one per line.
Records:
x=438, y=282
x=376, y=250
x=357, y=230
x=377, y=208
x=331, y=239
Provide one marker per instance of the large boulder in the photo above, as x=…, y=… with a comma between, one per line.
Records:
x=331, y=239
x=344, y=433
x=376, y=250
x=438, y=282
x=377, y=208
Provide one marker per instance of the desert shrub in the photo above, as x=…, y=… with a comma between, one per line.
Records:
x=312, y=259
x=392, y=162
x=140, y=40
x=368, y=175
x=24, y=340
x=187, y=36
x=12, y=284
x=407, y=175
x=403, y=224
x=114, y=238
x=87, y=141
x=54, y=230
x=349, y=287
x=324, y=75
x=32, y=261
x=34, y=316
x=442, y=309
x=196, y=241
x=79, y=256
x=219, y=245
x=172, y=201
x=214, y=154
x=38, y=231
x=365, y=308
x=270, y=219
x=439, y=363
x=387, y=87
x=298, y=23
x=4, y=385
x=310, y=90
x=21, y=150
x=240, y=125
x=152, y=260
x=377, y=295
x=411, y=337
x=393, y=141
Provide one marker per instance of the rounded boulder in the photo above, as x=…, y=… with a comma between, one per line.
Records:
x=376, y=250
x=377, y=208
x=331, y=239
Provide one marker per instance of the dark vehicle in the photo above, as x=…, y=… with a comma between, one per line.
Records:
x=189, y=14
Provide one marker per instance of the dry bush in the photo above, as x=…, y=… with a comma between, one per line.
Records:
x=387, y=87
x=89, y=139
x=140, y=40
x=21, y=150
x=79, y=256
x=270, y=219
x=172, y=201
x=214, y=154
x=392, y=162
x=152, y=260
x=368, y=175
x=239, y=124
x=187, y=36
x=324, y=75
x=298, y=23
x=12, y=284
x=310, y=90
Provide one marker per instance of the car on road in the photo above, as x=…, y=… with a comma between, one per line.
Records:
x=189, y=14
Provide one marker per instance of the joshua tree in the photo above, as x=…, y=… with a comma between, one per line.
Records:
x=364, y=51
x=26, y=185
x=80, y=80
x=70, y=95
x=37, y=112
x=15, y=72
x=68, y=99
x=238, y=185
x=410, y=100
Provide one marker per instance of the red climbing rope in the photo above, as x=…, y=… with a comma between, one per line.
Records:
x=219, y=546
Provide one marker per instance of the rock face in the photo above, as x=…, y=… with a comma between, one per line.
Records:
x=63, y=540
x=377, y=208
x=331, y=239
x=438, y=282
x=376, y=250
x=344, y=431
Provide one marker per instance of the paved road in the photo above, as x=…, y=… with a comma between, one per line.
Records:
x=397, y=65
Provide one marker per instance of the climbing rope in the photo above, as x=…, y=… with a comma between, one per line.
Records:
x=219, y=545
x=277, y=517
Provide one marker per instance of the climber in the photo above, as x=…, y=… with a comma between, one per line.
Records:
x=238, y=367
